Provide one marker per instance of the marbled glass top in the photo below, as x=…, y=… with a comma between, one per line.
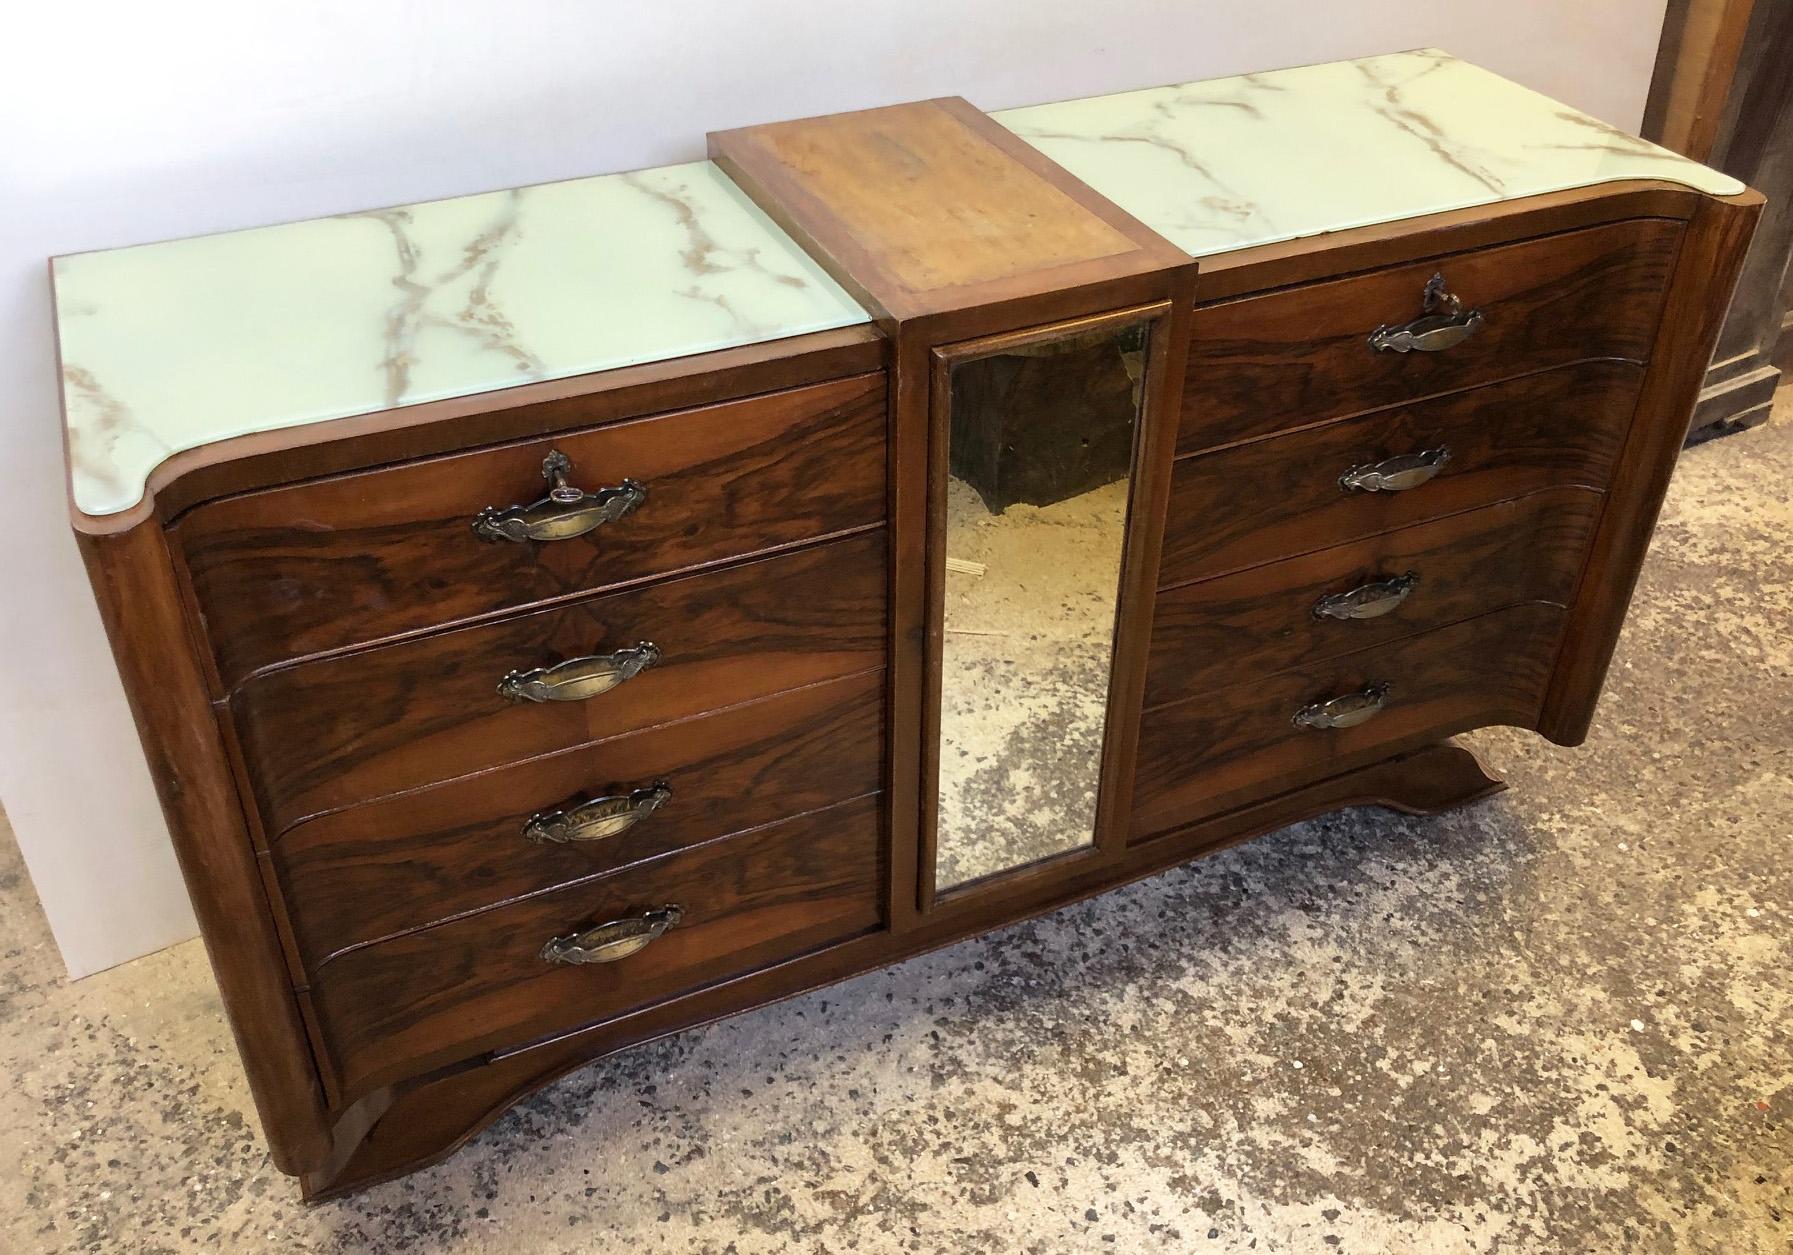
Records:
x=1232, y=162
x=170, y=346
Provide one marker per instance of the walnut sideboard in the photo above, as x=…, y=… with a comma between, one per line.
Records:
x=562, y=616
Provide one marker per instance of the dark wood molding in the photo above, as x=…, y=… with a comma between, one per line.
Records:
x=1696, y=61
x=1755, y=143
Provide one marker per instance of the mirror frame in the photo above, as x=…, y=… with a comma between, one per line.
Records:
x=1153, y=438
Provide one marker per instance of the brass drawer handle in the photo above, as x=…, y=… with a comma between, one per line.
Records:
x=564, y=513
x=1367, y=601
x=1347, y=711
x=1444, y=324
x=598, y=819
x=578, y=678
x=1410, y=470
x=616, y=940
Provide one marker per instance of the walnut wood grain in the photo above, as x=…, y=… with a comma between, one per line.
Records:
x=393, y=866
x=1202, y=755
x=320, y=566
x=1262, y=364
x=473, y=984
x=133, y=582
x=345, y=730
x=1268, y=499
x=1705, y=272
x=1261, y=621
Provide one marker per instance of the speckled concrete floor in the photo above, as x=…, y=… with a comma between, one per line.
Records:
x=1561, y=1020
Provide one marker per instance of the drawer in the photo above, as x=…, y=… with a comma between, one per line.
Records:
x=1202, y=756
x=481, y=982
x=372, y=872
x=336, y=732
x=359, y=558
x=1269, y=499
x=1264, y=364
x=1267, y=618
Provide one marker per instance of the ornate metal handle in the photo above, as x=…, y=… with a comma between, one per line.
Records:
x=564, y=513
x=616, y=940
x=579, y=678
x=1445, y=324
x=1368, y=601
x=1347, y=711
x=1410, y=470
x=598, y=819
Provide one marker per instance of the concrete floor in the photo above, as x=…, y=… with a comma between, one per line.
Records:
x=1561, y=1020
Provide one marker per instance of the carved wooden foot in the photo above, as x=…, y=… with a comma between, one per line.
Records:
x=1428, y=781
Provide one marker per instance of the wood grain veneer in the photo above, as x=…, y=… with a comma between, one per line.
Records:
x=1266, y=499
x=340, y=731
x=1265, y=363
x=1261, y=620
x=1201, y=756
x=476, y=983
x=320, y=566
x=392, y=866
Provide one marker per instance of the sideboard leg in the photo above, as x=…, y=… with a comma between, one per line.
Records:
x=1429, y=781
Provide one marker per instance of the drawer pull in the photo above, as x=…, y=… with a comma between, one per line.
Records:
x=618, y=939
x=1347, y=711
x=1369, y=601
x=598, y=819
x=1410, y=470
x=564, y=513
x=1443, y=325
x=578, y=678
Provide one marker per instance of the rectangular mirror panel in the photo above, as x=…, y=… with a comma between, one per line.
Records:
x=1040, y=460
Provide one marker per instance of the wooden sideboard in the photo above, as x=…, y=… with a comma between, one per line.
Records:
x=698, y=586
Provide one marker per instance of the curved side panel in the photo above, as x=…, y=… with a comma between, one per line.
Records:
x=133, y=581
x=1706, y=269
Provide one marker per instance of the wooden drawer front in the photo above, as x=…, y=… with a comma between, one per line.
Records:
x=480, y=982
x=294, y=571
x=336, y=732
x=1263, y=364
x=1201, y=756
x=1269, y=499
x=1263, y=620
x=394, y=866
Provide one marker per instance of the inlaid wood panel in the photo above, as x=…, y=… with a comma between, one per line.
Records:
x=1267, y=363
x=1199, y=756
x=332, y=733
x=473, y=984
x=1262, y=620
x=357, y=558
x=932, y=206
x=374, y=871
x=1269, y=499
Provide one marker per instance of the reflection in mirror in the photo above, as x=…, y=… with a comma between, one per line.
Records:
x=1040, y=455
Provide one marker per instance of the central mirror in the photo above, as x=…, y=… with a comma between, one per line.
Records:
x=1032, y=504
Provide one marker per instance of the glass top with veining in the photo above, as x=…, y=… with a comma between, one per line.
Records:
x=166, y=347
x=1234, y=162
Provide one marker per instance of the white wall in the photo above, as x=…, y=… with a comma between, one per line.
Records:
x=127, y=122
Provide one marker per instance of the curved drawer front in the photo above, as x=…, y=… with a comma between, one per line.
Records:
x=1204, y=755
x=1270, y=499
x=358, y=558
x=329, y=734
x=393, y=866
x=1263, y=364
x=481, y=982
x=1399, y=584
